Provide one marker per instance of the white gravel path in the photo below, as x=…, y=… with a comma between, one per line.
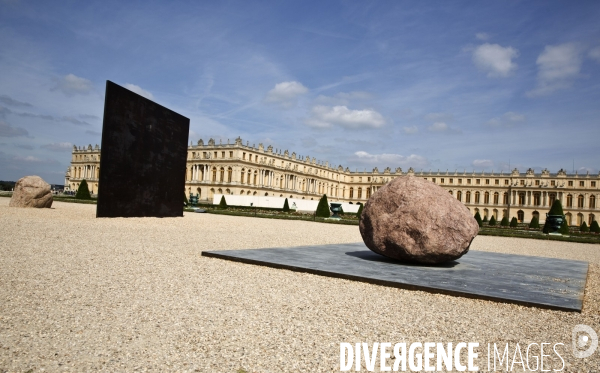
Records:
x=84, y=294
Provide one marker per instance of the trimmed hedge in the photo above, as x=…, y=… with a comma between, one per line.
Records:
x=535, y=223
x=360, y=210
x=323, y=208
x=286, y=206
x=513, y=222
x=478, y=218
x=223, y=203
x=83, y=192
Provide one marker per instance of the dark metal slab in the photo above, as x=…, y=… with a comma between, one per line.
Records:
x=527, y=280
x=143, y=157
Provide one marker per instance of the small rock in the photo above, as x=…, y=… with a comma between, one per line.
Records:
x=415, y=220
x=31, y=191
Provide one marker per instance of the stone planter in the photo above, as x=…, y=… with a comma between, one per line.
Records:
x=335, y=208
x=554, y=222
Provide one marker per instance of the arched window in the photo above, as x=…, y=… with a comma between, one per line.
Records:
x=450, y=192
x=505, y=198
x=580, y=202
x=535, y=214
x=536, y=199
x=222, y=174
x=551, y=198
x=368, y=192
x=592, y=202
x=495, y=214
x=214, y=174
x=255, y=176
x=477, y=197
x=579, y=219
x=468, y=197
x=249, y=176
x=521, y=198
x=351, y=192
x=569, y=201
x=591, y=218
x=229, y=171
x=496, y=197
x=242, y=178
x=359, y=193
x=486, y=198
x=520, y=216
x=568, y=216
x=485, y=213
x=459, y=195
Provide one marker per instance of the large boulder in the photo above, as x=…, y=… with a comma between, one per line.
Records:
x=414, y=220
x=31, y=191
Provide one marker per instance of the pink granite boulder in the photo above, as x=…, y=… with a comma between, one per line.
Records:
x=31, y=191
x=414, y=220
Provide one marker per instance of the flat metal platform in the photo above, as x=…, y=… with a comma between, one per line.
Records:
x=527, y=280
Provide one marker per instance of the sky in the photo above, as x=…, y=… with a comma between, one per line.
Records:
x=436, y=85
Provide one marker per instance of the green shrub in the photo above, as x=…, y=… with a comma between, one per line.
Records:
x=504, y=222
x=286, y=206
x=223, y=203
x=594, y=227
x=493, y=221
x=360, y=210
x=323, y=207
x=485, y=219
x=83, y=192
x=556, y=208
x=341, y=211
x=535, y=223
x=514, y=222
x=583, y=227
x=478, y=218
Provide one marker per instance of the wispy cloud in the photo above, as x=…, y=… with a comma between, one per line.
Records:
x=507, y=120
x=12, y=102
x=482, y=36
x=558, y=66
x=442, y=127
x=72, y=85
x=285, y=94
x=58, y=146
x=496, y=60
x=482, y=163
x=412, y=160
x=327, y=117
x=74, y=120
x=6, y=130
x=410, y=130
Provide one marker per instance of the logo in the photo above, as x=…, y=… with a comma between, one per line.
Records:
x=585, y=341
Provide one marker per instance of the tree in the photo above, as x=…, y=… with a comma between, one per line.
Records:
x=594, y=227
x=223, y=203
x=323, y=207
x=535, y=223
x=514, y=222
x=360, y=210
x=478, y=218
x=504, y=222
x=556, y=209
x=583, y=227
x=83, y=192
x=286, y=206
x=493, y=221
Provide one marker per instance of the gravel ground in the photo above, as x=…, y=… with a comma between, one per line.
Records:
x=83, y=294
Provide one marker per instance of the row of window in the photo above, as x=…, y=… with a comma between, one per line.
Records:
x=507, y=182
x=537, y=199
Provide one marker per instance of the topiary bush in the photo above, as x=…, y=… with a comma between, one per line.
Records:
x=535, y=223
x=286, y=206
x=323, y=207
x=514, y=222
x=360, y=210
x=492, y=221
x=83, y=192
x=594, y=227
x=504, y=222
x=564, y=228
x=556, y=208
x=223, y=203
x=478, y=218
x=583, y=227
x=485, y=219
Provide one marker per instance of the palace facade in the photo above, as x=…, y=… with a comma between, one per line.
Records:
x=249, y=170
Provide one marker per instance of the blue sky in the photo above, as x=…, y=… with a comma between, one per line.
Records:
x=432, y=85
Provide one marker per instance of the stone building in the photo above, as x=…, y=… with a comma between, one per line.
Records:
x=244, y=169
